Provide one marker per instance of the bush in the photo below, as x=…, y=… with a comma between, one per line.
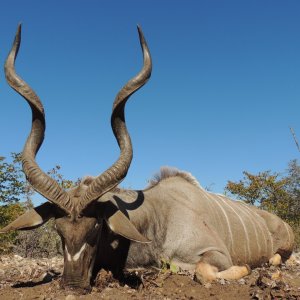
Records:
x=274, y=192
x=9, y=213
x=40, y=242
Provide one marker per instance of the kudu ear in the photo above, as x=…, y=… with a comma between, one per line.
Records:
x=33, y=218
x=121, y=225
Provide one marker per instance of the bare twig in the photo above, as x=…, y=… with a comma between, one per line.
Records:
x=295, y=138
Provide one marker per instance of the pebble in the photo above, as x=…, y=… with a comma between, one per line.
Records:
x=70, y=297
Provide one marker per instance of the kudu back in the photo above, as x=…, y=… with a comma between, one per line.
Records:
x=174, y=218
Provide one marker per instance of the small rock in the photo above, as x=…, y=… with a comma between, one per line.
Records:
x=292, y=261
x=277, y=275
x=258, y=294
x=267, y=282
x=207, y=285
x=70, y=297
x=18, y=257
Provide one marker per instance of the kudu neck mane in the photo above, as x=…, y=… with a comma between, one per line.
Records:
x=168, y=172
x=163, y=174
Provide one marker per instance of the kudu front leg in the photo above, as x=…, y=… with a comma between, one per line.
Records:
x=275, y=260
x=215, y=265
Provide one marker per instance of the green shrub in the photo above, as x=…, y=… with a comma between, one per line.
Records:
x=274, y=192
x=40, y=242
x=9, y=213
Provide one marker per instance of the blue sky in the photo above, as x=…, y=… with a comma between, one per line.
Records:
x=224, y=90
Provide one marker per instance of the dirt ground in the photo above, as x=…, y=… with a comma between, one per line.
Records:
x=22, y=278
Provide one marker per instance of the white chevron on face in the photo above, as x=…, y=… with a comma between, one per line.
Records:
x=76, y=255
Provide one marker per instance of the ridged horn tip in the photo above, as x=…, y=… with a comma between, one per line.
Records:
x=17, y=41
x=141, y=35
x=18, y=33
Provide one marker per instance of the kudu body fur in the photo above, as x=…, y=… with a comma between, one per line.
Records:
x=102, y=226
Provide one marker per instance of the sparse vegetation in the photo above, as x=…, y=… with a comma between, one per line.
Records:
x=274, y=192
x=167, y=266
x=40, y=242
x=8, y=213
x=16, y=195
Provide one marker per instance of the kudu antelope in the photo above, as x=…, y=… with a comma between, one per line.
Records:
x=103, y=226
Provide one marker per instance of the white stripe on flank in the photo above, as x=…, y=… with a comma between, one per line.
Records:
x=252, y=221
x=289, y=236
x=242, y=222
x=263, y=230
x=216, y=206
x=211, y=208
x=227, y=221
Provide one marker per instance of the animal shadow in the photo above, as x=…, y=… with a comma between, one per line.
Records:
x=50, y=275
